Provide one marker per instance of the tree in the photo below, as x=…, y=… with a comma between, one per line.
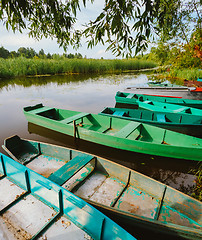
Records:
x=124, y=25
x=4, y=53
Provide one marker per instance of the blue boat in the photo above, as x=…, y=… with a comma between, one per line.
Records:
x=32, y=207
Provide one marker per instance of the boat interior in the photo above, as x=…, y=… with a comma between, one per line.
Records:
x=106, y=183
x=32, y=207
x=119, y=128
x=153, y=116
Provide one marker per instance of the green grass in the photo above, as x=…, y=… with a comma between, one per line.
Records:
x=188, y=73
x=24, y=67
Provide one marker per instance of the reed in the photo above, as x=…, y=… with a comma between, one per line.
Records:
x=23, y=67
x=188, y=73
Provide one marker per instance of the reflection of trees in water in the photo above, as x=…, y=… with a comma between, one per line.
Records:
x=67, y=79
x=183, y=182
x=43, y=80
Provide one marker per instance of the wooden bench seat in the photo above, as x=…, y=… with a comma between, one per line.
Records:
x=75, y=117
x=127, y=130
x=70, y=169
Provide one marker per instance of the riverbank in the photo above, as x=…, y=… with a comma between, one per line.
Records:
x=179, y=75
x=31, y=67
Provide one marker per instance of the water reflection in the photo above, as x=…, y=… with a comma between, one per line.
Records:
x=81, y=93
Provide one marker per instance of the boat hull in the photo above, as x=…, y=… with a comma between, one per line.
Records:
x=132, y=98
x=192, y=152
x=158, y=200
x=190, y=125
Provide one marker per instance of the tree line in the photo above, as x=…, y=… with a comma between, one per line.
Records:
x=31, y=53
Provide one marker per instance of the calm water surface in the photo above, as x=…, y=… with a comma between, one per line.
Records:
x=80, y=93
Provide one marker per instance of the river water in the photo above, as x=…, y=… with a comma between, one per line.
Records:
x=80, y=93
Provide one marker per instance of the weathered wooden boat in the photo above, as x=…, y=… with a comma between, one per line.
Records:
x=135, y=199
x=167, y=89
x=132, y=98
x=184, y=123
x=117, y=133
x=32, y=207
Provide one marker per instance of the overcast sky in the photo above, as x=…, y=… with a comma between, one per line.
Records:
x=13, y=41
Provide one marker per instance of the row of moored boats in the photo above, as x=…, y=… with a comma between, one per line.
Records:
x=62, y=192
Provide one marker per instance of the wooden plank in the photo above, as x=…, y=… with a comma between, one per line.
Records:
x=161, y=117
x=131, y=95
x=70, y=169
x=75, y=117
x=181, y=109
x=127, y=130
x=41, y=110
x=118, y=113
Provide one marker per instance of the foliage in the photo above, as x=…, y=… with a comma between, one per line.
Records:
x=124, y=24
x=4, y=53
x=31, y=53
x=22, y=66
x=197, y=192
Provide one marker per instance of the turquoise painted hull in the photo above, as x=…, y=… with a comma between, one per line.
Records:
x=22, y=190
x=132, y=98
x=131, y=198
x=188, y=124
x=117, y=133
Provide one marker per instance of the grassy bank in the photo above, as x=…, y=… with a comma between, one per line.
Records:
x=24, y=67
x=188, y=73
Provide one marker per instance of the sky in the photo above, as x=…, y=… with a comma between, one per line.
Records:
x=13, y=41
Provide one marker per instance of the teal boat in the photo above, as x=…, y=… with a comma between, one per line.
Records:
x=134, y=200
x=117, y=133
x=132, y=98
x=188, y=124
x=33, y=207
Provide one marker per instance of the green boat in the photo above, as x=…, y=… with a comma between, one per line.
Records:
x=134, y=200
x=132, y=98
x=117, y=133
x=184, y=123
x=34, y=207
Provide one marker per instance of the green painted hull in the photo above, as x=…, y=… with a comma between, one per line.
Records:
x=132, y=98
x=117, y=133
x=188, y=124
x=136, y=201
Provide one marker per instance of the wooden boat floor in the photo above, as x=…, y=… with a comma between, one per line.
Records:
x=137, y=202
x=103, y=189
x=45, y=165
x=169, y=214
x=29, y=215
x=98, y=186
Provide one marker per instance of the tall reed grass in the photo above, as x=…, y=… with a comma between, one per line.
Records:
x=24, y=67
x=188, y=73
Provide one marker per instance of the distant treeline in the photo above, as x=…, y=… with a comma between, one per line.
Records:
x=31, y=53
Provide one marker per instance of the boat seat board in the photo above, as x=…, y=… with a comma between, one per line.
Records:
x=69, y=169
x=75, y=117
x=131, y=95
x=118, y=113
x=147, y=101
x=40, y=110
x=161, y=117
x=127, y=130
x=181, y=109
